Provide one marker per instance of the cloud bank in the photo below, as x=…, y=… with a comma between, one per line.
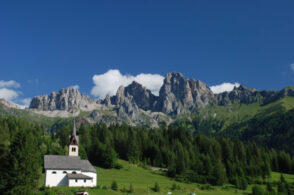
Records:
x=9, y=84
x=109, y=82
x=224, y=87
x=8, y=94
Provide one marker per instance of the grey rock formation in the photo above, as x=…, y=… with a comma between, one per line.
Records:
x=239, y=94
x=126, y=106
x=135, y=104
x=141, y=96
x=181, y=95
x=243, y=95
x=65, y=99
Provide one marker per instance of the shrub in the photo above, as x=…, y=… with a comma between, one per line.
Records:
x=118, y=166
x=257, y=190
x=131, y=189
x=114, y=186
x=156, y=187
x=124, y=190
x=174, y=187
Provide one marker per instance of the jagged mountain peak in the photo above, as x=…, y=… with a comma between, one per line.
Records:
x=65, y=99
x=177, y=95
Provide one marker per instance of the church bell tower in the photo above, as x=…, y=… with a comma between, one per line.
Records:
x=73, y=149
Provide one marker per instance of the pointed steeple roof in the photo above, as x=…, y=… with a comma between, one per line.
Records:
x=74, y=139
x=74, y=130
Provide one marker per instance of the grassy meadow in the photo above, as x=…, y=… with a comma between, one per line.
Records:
x=143, y=181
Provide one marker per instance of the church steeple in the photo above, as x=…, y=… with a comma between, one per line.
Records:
x=73, y=149
x=74, y=131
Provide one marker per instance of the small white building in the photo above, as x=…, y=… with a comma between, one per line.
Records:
x=61, y=170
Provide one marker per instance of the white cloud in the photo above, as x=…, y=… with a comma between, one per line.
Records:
x=292, y=66
x=8, y=94
x=12, y=96
x=10, y=83
x=74, y=87
x=224, y=87
x=109, y=82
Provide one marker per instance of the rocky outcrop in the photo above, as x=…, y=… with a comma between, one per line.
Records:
x=65, y=99
x=180, y=95
x=135, y=104
x=244, y=95
x=239, y=95
x=141, y=95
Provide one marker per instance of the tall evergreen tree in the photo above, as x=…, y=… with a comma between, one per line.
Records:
x=22, y=172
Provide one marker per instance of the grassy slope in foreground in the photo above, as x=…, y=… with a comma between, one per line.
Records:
x=142, y=178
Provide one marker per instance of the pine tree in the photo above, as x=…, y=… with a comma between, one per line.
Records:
x=23, y=171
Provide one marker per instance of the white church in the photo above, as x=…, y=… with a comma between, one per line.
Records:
x=61, y=170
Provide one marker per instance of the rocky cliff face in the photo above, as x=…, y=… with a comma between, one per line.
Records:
x=239, y=95
x=65, y=99
x=181, y=95
x=135, y=104
x=243, y=95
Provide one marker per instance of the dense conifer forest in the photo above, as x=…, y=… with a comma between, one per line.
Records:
x=188, y=157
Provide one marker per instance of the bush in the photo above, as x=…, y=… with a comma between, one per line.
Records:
x=124, y=190
x=118, y=166
x=206, y=187
x=131, y=189
x=175, y=187
x=114, y=186
x=156, y=187
x=104, y=188
x=242, y=183
x=257, y=190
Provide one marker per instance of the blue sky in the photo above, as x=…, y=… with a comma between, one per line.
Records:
x=48, y=45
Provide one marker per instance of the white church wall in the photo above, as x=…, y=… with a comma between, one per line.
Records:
x=94, y=176
x=57, y=177
x=80, y=183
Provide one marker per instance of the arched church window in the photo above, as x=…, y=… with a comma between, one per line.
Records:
x=74, y=172
x=54, y=172
x=64, y=172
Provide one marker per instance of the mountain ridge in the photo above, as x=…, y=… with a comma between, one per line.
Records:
x=136, y=105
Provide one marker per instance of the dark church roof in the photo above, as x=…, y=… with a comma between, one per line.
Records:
x=67, y=162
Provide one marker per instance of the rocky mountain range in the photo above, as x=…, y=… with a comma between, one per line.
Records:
x=135, y=104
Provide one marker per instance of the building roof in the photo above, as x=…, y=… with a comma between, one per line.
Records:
x=86, y=166
x=78, y=176
x=67, y=162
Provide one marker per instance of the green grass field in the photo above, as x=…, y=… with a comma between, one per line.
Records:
x=143, y=181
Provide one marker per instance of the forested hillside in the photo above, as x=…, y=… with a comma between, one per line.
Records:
x=210, y=147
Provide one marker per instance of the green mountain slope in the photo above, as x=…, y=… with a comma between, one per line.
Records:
x=271, y=126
